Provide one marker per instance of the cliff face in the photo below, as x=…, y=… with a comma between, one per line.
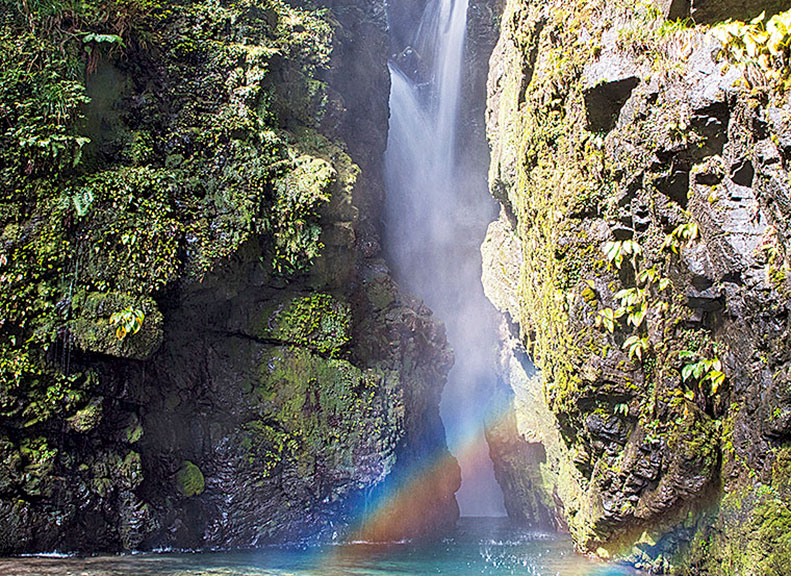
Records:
x=200, y=344
x=640, y=258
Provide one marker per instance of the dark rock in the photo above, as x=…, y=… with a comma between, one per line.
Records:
x=622, y=232
x=606, y=427
x=710, y=11
x=609, y=84
x=742, y=173
x=708, y=178
x=675, y=185
x=630, y=190
x=517, y=467
x=709, y=120
x=708, y=300
x=641, y=216
x=674, y=9
x=781, y=128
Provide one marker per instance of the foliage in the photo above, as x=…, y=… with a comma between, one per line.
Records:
x=702, y=370
x=760, y=47
x=652, y=277
x=318, y=321
x=608, y=318
x=295, y=220
x=680, y=236
x=636, y=346
x=127, y=321
x=634, y=304
x=142, y=144
x=323, y=408
x=617, y=250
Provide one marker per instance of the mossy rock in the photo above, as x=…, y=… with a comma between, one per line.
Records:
x=93, y=331
x=189, y=480
x=322, y=409
x=88, y=418
x=134, y=431
x=319, y=322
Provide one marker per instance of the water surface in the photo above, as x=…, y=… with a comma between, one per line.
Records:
x=491, y=547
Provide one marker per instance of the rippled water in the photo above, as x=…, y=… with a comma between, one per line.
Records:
x=490, y=547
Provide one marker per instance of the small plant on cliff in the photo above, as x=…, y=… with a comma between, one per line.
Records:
x=616, y=251
x=680, y=236
x=127, y=321
x=761, y=48
x=634, y=304
x=636, y=346
x=621, y=409
x=652, y=277
x=702, y=370
x=609, y=318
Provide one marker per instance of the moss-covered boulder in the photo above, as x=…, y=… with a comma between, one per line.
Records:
x=189, y=480
x=317, y=321
x=102, y=317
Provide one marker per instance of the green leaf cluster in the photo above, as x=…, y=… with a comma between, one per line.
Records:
x=702, y=370
x=761, y=45
x=616, y=251
x=127, y=321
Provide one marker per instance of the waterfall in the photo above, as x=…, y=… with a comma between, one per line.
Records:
x=436, y=215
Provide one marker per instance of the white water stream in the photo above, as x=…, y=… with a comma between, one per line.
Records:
x=436, y=216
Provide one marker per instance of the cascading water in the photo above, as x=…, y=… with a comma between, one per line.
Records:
x=436, y=217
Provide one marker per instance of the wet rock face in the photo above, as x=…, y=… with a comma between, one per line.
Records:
x=301, y=411
x=250, y=406
x=638, y=252
x=517, y=465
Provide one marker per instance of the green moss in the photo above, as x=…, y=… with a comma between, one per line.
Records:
x=318, y=322
x=134, y=432
x=94, y=332
x=321, y=410
x=189, y=480
x=750, y=534
x=118, y=182
x=88, y=418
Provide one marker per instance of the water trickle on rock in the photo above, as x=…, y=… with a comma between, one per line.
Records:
x=436, y=215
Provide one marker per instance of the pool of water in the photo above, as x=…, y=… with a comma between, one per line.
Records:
x=479, y=546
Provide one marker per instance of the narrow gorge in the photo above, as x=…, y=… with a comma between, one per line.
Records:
x=407, y=287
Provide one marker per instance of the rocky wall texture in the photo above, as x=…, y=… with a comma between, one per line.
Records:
x=200, y=345
x=640, y=260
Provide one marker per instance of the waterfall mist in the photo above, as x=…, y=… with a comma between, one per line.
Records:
x=436, y=215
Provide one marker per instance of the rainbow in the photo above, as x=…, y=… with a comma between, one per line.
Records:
x=412, y=508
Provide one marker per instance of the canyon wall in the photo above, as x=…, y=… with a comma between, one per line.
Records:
x=640, y=261
x=200, y=343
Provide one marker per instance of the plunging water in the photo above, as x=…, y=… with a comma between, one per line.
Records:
x=436, y=217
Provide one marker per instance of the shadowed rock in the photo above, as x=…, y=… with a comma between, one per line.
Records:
x=609, y=86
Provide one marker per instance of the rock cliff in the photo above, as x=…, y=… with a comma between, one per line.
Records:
x=640, y=262
x=200, y=344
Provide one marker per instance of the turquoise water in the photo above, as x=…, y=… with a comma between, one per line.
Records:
x=489, y=547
